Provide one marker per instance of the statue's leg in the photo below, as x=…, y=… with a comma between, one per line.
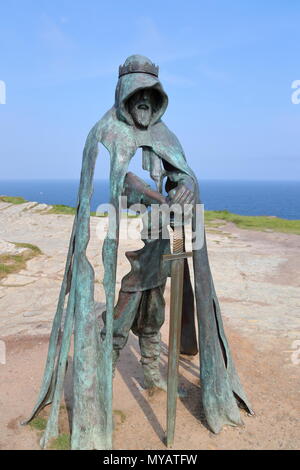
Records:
x=147, y=326
x=124, y=315
x=150, y=360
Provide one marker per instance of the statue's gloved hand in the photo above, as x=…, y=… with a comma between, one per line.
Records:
x=184, y=193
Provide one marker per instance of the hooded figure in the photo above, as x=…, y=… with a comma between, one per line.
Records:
x=122, y=130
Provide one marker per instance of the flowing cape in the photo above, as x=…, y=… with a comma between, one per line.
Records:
x=220, y=388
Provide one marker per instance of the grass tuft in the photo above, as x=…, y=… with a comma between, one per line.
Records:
x=13, y=199
x=14, y=263
x=62, y=442
x=212, y=219
x=260, y=223
x=120, y=414
x=62, y=209
x=38, y=423
x=35, y=249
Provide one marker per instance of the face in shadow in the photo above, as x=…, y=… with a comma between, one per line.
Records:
x=141, y=107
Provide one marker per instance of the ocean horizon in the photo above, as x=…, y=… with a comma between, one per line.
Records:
x=244, y=197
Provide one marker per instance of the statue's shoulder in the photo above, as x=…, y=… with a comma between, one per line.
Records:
x=165, y=139
x=112, y=131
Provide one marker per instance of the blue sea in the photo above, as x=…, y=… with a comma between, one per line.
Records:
x=274, y=198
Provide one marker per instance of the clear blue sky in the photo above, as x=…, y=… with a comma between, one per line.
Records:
x=226, y=65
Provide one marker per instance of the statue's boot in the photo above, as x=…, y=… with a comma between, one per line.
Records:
x=150, y=352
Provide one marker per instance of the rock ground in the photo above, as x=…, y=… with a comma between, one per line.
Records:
x=257, y=277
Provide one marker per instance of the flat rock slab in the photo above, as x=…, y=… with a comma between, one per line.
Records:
x=15, y=209
x=18, y=280
x=20, y=209
x=4, y=205
x=32, y=314
x=41, y=208
x=29, y=205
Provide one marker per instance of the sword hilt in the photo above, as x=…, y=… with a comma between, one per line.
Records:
x=178, y=239
x=178, y=245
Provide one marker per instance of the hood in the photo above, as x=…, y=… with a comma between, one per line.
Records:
x=131, y=83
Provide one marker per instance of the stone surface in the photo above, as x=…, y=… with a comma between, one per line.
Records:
x=257, y=277
x=42, y=207
x=4, y=205
x=17, y=280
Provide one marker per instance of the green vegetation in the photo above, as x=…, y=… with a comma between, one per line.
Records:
x=62, y=209
x=131, y=215
x=121, y=415
x=261, y=223
x=99, y=214
x=35, y=249
x=212, y=219
x=14, y=263
x=67, y=210
x=13, y=199
x=62, y=442
x=38, y=423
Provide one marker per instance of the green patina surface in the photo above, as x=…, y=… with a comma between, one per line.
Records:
x=92, y=361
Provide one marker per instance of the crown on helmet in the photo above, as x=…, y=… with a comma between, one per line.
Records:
x=137, y=67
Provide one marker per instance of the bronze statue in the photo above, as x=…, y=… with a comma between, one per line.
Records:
x=135, y=122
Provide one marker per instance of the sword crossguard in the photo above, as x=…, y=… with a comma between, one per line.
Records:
x=173, y=256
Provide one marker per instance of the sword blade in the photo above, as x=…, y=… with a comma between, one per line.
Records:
x=177, y=271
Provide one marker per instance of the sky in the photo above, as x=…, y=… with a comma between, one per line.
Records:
x=227, y=66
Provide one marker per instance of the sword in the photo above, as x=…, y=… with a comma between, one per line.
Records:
x=177, y=271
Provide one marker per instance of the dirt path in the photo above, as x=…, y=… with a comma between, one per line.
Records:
x=257, y=277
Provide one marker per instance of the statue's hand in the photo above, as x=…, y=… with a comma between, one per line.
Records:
x=184, y=193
